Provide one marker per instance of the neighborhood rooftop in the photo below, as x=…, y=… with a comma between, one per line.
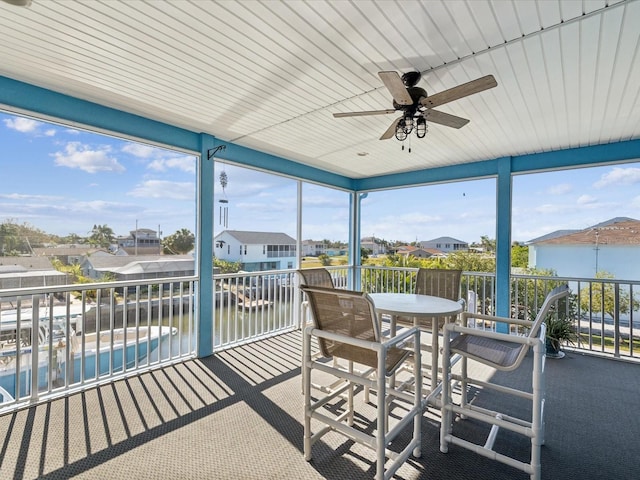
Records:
x=618, y=231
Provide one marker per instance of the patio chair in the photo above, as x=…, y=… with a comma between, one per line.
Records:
x=314, y=277
x=503, y=352
x=437, y=282
x=346, y=326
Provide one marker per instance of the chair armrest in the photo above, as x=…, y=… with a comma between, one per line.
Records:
x=493, y=318
x=452, y=327
x=401, y=335
x=356, y=342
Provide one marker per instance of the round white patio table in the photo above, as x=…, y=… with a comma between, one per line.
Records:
x=422, y=308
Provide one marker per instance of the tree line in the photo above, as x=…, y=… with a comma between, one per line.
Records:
x=20, y=239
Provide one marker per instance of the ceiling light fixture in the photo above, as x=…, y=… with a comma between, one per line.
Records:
x=421, y=127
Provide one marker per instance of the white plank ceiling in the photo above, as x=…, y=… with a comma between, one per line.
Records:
x=270, y=74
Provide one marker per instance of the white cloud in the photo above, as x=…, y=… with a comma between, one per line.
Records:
x=185, y=163
x=559, y=189
x=23, y=198
x=161, y=159
x=140, y=150
x=619, y=176
x=164, y=189
x=548, y=208
x=586, y=199
x=321, y=201
x=21, y=124
x=83, y=157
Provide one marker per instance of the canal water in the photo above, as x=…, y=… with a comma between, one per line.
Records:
x=232, y=324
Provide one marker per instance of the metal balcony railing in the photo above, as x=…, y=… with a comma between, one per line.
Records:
x=605, y=312
x=250, y=306
x=56, y=340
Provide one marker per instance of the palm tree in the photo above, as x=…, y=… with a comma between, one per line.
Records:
x=179, y=243
x=488, y=244
x=101, y=236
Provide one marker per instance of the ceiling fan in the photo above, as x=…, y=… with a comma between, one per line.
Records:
x=417, y=107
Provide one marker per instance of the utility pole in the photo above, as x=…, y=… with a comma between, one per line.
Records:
x=597, y=249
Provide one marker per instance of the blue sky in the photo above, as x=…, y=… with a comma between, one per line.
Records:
x=64, y=180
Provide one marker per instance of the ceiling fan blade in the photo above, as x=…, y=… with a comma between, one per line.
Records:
x=396, y=87
x=362, y=114
x=391, y=131
x=469, y=88
x=436, y=116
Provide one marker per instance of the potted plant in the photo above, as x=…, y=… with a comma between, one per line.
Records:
x=560, y=329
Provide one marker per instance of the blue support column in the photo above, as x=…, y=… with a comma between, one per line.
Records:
x=503, y=241
x=354, y=238
x=204, y=255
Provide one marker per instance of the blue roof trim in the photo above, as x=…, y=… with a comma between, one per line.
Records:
x=433, y=175
x=557, y=159
x=577, y=157
x=64, y=107
x=249, y=157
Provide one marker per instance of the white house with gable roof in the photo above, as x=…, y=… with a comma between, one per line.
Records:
x=612, y=246
x=445, y=244
x=256, y=251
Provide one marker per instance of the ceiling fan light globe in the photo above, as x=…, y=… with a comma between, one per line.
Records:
x=421, y=127
x=407, y=125
x=401, y=135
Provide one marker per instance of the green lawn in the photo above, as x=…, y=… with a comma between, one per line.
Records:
x=596, y=341
x=313, y=262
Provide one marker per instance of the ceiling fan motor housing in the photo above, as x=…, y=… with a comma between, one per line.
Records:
x=410, y=79
x=416, y=94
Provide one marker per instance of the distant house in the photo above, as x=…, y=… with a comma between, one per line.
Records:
x=142, y=241
x=612, y=246
x=313, y=248
x=67, y=254
x=24, y=272
x=256, y=251
x=445, y=244
x=374, y=245
x=417, y=252
x=139, y=267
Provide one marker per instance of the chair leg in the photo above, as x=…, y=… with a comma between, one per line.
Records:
x=537, y=420
x=463, y=384
x=417, y=399
x=306, y=387
x=381, y=434
x=445, y=416
x=304, y=357
x=303, y=325
x=350, y=398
